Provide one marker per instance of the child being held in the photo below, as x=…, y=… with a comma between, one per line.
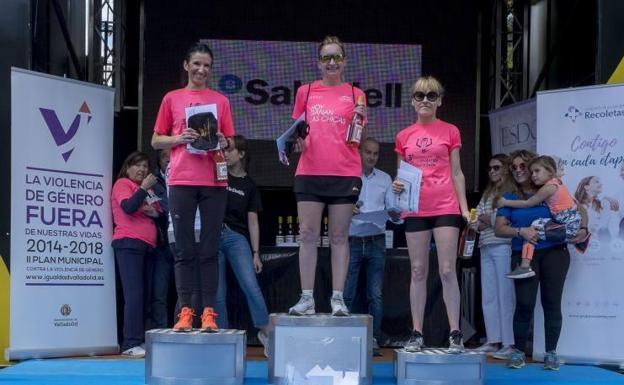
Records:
x=566, y=219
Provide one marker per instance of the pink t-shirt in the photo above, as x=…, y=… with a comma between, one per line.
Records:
x=136, y=225
x=562, y=199
x=329, y=112
x=429, y=147
x=188, y=169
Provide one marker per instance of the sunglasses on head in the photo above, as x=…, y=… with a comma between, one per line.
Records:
x=494, y=168
x=518, y=167
x=338, y=58
x=420, y=96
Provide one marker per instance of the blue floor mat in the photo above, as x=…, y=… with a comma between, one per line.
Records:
x=132, y=372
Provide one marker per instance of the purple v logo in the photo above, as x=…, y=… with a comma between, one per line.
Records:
x=59, y=134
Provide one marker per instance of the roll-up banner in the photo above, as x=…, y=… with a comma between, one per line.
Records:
x=584, y=129
x=62, y=269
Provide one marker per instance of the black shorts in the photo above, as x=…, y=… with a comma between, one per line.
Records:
x=413, y=224
x=331, y=190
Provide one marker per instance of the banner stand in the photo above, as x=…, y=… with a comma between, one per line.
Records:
x=583, y=128
x=62, y=298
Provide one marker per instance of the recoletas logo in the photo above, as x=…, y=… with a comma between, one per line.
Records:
x=60, y=135
x=573, y=113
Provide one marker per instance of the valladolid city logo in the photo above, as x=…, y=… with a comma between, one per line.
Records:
x=60, y=135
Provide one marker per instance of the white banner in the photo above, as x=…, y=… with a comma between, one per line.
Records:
x=584, y=127
x=513, y=127
x=62, y=269
x=261, y=78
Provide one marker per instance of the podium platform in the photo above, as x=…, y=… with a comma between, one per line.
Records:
x=320, y=349
x=196, y=358
x=436, y=366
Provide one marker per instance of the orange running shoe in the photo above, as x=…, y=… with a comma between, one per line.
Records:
x=185, y=320
x=209, y=323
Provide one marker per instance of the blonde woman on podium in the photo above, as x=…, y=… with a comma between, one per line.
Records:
x=433, y=146
x=328, y=173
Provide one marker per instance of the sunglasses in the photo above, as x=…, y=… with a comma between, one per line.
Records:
x=494, y=168
x=420, y=96
x=338, y=58
x=518, y=167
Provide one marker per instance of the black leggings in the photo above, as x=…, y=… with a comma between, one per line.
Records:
x=551, y=267
x=183, y=203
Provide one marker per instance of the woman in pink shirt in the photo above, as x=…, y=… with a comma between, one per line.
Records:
x=433, y=146
x=194, y=181
x=328, y=172
x=134, y=208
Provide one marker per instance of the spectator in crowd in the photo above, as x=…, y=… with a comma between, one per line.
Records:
x=566, y=217
x=497, y=291
x=240, y=240
x=135, y=207
x=367, y=241
x=550, y=263
x=163, y=259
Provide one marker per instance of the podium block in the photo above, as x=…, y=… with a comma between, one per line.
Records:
x=436, y=366
x=320, y=349
x=195, y=358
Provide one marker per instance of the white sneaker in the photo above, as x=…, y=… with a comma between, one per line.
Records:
x=503, y=353
x=339, y=309
x=305, y=306
x=135, y=352
x=264, y=340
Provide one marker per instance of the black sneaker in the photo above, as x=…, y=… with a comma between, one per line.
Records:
x=415, y=343
x=456, y=342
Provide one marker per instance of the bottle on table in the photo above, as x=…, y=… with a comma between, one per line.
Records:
x=290, y=231
x=279, y=238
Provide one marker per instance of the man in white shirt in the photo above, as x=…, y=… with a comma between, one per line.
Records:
x=367, y=236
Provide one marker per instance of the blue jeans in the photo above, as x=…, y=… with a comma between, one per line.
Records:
x=234, y=248
x=163, y=267
x=369, y=251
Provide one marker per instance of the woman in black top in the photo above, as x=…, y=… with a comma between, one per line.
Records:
x=240, y=238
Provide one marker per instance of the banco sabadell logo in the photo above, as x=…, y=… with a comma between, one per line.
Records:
x=59, y=134
x=572, y=113
x=230, y=84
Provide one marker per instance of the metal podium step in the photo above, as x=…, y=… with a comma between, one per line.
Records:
x=195, y=357
x=320, y=349
x=436, y=366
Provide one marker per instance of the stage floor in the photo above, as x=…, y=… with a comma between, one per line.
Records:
x=102, y=371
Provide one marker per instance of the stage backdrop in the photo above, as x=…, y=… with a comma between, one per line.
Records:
x=513, y=127
x=261, y=78
x=585, y=128
x=62, y=270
